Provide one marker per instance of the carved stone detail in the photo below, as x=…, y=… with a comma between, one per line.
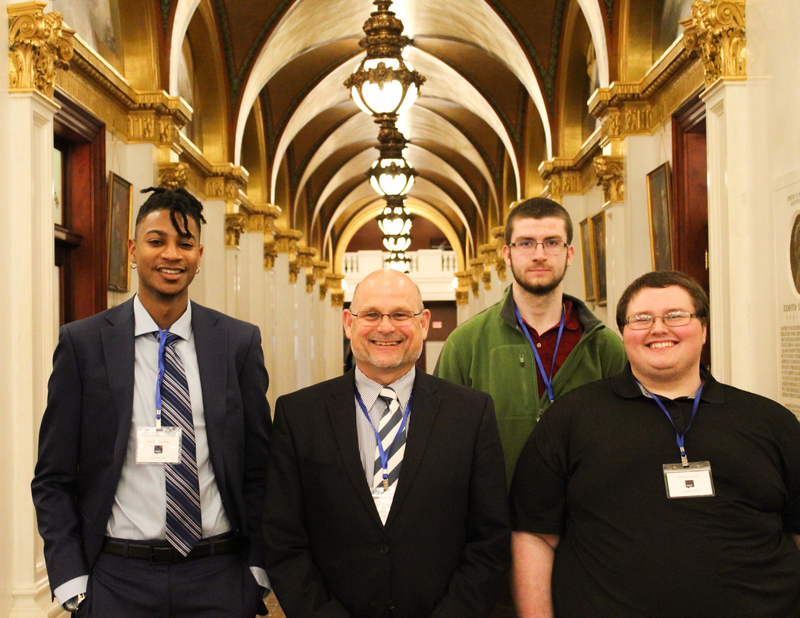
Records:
x=38, y=45
x=270, y=255
x=305, y=257
x=609, y=172
x=334, y=284
x=234, y=228
x=561, y=176
x=173, y=176
x=287, y=240
x=717, y=31
x=310, y=281
x=462, y=297
x=294, y=270
x=261, y=218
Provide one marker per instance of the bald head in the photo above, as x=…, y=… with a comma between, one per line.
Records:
x=381, y=281
x=386, y=325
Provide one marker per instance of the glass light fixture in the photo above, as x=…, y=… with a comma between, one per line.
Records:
x=399, y=261
x=395, y=220
x=391, y=175
x=395, y=244
x=384, y=85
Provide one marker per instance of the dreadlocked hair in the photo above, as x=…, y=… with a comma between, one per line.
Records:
x=177, y=202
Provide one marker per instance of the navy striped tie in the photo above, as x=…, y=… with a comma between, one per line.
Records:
x=184, y=523
x=387, y=428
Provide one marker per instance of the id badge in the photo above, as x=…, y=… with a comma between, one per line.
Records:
x=383, y=500
x=155, y=446
x=692, y=482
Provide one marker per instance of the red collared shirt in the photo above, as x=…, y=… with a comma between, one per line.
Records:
x=546, y=342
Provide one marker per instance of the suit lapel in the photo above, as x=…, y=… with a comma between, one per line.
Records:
x=118, y=340
x=211, y=346
x=341, y=410
x=424, y=410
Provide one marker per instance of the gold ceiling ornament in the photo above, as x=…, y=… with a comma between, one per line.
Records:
x=384, y=85
x=173, y=176
x=234, y=228
x=38, y=45
x=717, y=31
x=609, y=172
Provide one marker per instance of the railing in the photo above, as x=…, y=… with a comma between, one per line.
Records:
x=432, y=270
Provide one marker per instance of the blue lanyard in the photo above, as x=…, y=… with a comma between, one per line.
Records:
x=162, y=343
x=548, y=385
x=384, y=455
x=680, y=436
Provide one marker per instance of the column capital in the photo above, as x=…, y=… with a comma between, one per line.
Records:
x=716, y=30
x=334, y=284
x=287, y=240
x=38, y=45
x=609, y=172
x=173, y=175
x=234, y=228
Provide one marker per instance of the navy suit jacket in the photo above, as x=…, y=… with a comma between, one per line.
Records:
x=444, y=550
x=87, y=423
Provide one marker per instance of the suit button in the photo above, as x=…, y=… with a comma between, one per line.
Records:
x=390, y=605
x=384, y=549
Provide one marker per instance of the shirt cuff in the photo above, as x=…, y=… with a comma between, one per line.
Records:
x=261, y=579
x=73, y=588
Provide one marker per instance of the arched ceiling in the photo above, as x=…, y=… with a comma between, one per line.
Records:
x=488, y=64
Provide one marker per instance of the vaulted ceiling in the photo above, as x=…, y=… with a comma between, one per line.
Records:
x=492, y=108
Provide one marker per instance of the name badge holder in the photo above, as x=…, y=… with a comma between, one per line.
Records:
x=686, y=480
x=159, y=445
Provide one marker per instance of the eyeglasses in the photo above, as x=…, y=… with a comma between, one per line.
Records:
x=373, y=318
x=673, y=318
x=551, y=246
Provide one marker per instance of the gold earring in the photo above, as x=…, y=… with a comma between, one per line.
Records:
x=133, y=265
x=197, y=272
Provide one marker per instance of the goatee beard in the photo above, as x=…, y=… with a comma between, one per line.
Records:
x=539, y=290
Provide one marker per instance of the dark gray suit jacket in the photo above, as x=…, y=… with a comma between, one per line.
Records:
x=444, y=550
x=87, y=423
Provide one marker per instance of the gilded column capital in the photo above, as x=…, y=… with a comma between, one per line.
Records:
x=476, y=266
x=488, y=254
x=716, y=30
x=609, y=172
x=157, y=118
x=305, y=256
x=173, y=176
x=262, y=217
x=462, y=296
x=234, y=228
x=499, y=235
x=319, y=266
x=38, y=45
x=294, y=270
x=226, y=182
x=464, y=284
x=561, y=177
x=334, y=284
x=287, y=240
x=270, y=254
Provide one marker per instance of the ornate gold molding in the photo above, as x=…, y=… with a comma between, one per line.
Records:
x=38, y=45
x=464, y=284
x=333, y=283
x=234, y=228
x=310, y=281
x=488, y=254
x=636, y=108
x=286, y=240
x=561, y=177
x=319, y=268
x=499, y=235
x=294, y=270
x=716, y=30
x=610, y=176
x=261, y=217
x=305, y=257
x=227, y=182
x=270, y=254
x=173, y=176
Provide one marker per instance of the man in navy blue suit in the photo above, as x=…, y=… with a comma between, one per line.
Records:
x=117, y=540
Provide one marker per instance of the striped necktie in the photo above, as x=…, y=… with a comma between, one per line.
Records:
x=184, y=523
x=387, y=429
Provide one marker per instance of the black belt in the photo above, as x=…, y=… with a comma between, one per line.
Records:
x=166, y=553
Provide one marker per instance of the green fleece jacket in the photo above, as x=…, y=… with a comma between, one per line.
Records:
x=490, y=352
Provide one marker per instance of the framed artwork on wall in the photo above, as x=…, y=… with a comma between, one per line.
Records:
x=598, y=234
x=659, y=206
x=587, y=260
x=120, y=200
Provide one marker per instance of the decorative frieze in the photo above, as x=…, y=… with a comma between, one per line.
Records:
x=173, y=176
x=261, y=217
x=234, y=228
x=609, y=172
x=716, y=30
x=38, y=45
x=225, y=182
x=561, y=177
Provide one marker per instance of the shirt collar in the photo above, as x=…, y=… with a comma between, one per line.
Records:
x=626, y=386
x=145, y=324
x=571, y=321
x=369, y=389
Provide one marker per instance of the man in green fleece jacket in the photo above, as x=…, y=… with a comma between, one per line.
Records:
x=537, y=343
